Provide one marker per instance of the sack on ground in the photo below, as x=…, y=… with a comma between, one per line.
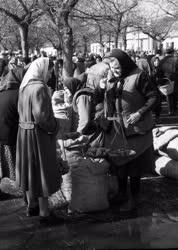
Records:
x=89, y=185
x=172, y=149
x=66, y=186
x=167, y=167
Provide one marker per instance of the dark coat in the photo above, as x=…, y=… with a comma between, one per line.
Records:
x=2, y=66
x=8, y=116
x=8, y=106
x=168, y=68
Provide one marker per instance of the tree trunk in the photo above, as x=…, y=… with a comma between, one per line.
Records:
x=67, y=52
x=125, y=39
x=116, y=39
x=24, y=40
x=85, y=51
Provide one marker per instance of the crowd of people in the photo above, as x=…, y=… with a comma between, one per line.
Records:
x=111, y=101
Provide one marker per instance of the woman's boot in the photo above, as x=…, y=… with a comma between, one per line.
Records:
x=132, y=203
x=135, y=191
x=122, y=195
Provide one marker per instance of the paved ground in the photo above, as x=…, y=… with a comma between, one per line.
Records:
x=154, y=226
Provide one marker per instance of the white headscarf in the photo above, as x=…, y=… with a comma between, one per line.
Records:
x=37, y=70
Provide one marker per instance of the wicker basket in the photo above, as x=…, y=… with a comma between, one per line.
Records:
x=167, y=88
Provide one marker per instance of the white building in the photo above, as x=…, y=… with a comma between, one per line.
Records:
x=137, y=41
x=172, y=40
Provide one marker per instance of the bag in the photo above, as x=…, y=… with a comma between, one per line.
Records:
x=61, y=157
x=167, y=88
x=167, y=167
x=172, y=149
x=89, y=185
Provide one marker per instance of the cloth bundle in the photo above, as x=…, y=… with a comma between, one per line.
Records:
x=166, y=146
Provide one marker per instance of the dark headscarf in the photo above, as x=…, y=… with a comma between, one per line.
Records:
x=82, y=77
x=12, y=79
x=127, y=64
x=73, y=84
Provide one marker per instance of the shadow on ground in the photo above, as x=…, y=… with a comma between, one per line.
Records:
x=154, y=225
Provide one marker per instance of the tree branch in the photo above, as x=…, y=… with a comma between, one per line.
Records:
x=17, y=19
x=24, y=6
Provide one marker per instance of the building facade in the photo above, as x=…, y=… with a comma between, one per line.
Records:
x=137, y=41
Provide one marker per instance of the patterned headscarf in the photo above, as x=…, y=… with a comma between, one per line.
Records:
x=96, y=73
x=37, y=70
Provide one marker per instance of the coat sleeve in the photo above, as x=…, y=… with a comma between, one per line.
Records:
x=42, y=110
x=147, y=88
x=84, y=112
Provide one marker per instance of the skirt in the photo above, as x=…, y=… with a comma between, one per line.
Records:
x=138, y=167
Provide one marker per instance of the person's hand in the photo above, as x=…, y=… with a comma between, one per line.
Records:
x=103, y=83
x=133, y=118
x=83, y=139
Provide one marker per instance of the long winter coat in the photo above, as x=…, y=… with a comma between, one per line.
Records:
x=9, y=89
x=36, y=167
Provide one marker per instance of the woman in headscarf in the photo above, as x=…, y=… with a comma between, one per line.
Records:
x=9, y=89
x=88, y=104
x=36, y=169
x=133, y=97
x=71, y=86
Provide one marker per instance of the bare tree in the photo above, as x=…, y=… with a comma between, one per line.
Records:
x=157, y=27
x=168, y=7
x=111, y=16
x=23, y=13
x=59, y=14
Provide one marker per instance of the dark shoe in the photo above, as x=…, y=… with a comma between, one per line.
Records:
x=157, y=119
x=32, y=211
x=50, y=220
x=118, y=200
x=129, y=206
x=170, y=113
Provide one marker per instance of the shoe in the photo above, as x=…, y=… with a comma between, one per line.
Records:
x=118, y=200
x=51, y=219
x=32, y=211
x=170, y=113
x=130, y=206
x=157, y=119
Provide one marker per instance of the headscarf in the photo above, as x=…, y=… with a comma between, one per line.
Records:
x=96, y=73
x=12, y=63
x=37, y=71
x=73, y=84
x=12, y=79
x=127, y=64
